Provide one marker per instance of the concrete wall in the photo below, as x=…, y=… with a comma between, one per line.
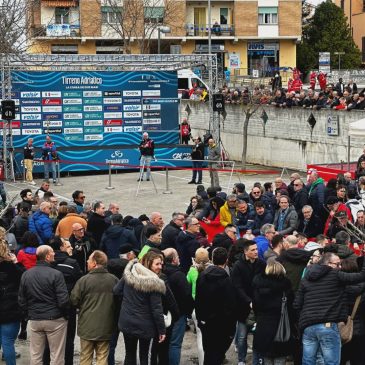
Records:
x=288, y=141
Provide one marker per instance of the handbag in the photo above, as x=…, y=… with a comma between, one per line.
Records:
x=283, y=331
x=347, y=329
x=167, y=319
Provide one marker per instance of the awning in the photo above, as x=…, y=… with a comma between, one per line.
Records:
x=60, y=3
x=357, y=129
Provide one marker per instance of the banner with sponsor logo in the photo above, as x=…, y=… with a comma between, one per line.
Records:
x=73, y=106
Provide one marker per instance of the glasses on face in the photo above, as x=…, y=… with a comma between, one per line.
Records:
x=342, y=191
x=195, y=224
x=272, y=232
x=255, y=192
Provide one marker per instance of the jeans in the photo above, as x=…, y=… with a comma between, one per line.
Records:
x=177, y=337
x=146, y=161
x=49, y=166
x=8, y=334
x=199, y=173
x=327, y=339
x=241, y=344
x=112, y=347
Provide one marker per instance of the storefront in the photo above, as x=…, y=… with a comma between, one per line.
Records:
x=262, y=57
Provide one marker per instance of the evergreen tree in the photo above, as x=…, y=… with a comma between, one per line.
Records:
x=328, y=31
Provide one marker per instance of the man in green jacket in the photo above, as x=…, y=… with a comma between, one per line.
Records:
x=93, y=295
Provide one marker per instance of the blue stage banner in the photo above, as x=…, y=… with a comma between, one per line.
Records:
x=95, y=108
x=127, y=159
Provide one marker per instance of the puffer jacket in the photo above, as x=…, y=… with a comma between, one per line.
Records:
x=321, y=295
x=141, y=291
x=43, y=293
x=290, y=221
x=41, y=225
x=10, y=275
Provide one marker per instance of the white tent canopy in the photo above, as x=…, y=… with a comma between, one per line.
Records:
x=357, y=129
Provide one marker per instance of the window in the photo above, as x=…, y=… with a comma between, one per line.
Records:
x=154, y=15
x=268, y=15
x=223, y=15
x=62, y=15
x=111, y=14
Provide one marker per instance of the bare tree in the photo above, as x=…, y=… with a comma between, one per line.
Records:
x=14, y=25
x=138, y=20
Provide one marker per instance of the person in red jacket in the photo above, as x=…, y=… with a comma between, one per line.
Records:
x=334, y=205
x=313, y=80
x=27, y=255
x=297, y=85
x=322, y=79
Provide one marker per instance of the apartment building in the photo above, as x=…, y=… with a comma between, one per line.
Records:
x=354, y=10
x=251, y=35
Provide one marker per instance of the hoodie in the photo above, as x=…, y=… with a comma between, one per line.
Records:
x=294, y=260
x=215, y=299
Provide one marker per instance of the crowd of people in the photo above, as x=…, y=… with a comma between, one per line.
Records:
x=322, y=95
x=234, y=263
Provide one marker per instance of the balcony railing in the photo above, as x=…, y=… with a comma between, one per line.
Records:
x=217, y=30
x=56, y=30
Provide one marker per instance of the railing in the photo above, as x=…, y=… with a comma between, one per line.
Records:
x=217, y=30
x=55, y=30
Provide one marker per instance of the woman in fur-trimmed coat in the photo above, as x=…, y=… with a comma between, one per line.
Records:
x=141, y=315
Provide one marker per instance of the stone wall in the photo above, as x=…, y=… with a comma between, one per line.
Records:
x=287, y=141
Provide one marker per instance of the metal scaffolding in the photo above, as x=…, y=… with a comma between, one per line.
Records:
x=7, y=147
x=101, y=62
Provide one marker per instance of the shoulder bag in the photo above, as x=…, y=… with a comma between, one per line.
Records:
x=283, y=331
x=347, y=329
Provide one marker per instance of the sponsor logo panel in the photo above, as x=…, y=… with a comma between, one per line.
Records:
x=72, y=108
x=132, y=107
x=72, y=101
x=54, y=101
x=73, y=123
x=52, y=116
x=133, y=129
x=30, y=101
x=27, y=132
x=131, y=93
x=93, y=137
x=92, y=93
x=112, y=100
x=93, y=123
x=113, y=129
x=152, y=121
x=72, y=130
x=51, y=94
x=30, y=94
x=72, y=115
x=72, y=94
x=93, y=108
x=31, y=116
x=132, y=114
x=52, y=123
x=113, y=122
x=112, y=93
x=31, y=109
x=116, y=108
x=50, y=109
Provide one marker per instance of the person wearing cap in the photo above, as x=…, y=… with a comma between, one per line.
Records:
x=339, y=223
x=153, y=236
x=116, y=236
x=316, y=191
x=64, y=227
x=334, y=206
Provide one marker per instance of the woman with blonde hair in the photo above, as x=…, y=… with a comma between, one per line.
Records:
x=200, y=263
x=10, y=314
x=270, y=289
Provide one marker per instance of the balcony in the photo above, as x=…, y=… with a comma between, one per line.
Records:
x=217, y=30
x=60, y=3
x=56, y=31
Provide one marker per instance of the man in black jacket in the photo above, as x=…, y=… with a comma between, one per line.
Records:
x=216, y=308
x=172, y=230
x=300, y=197
x=320, y=300
x=243, y=272
x=225, y=239
x=187, y=244
x=182, y=293
x=309, y=223
x=43, y=297
x=71, y=272
x=83, y=245
x=116, y=236
x=96, y=224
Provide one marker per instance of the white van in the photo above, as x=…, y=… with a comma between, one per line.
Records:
x=186, y=79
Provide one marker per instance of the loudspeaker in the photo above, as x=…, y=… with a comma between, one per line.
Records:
x=218, y=102
x=8, y=109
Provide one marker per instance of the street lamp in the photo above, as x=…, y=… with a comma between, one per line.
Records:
x=162, y=29
x=339, y=60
